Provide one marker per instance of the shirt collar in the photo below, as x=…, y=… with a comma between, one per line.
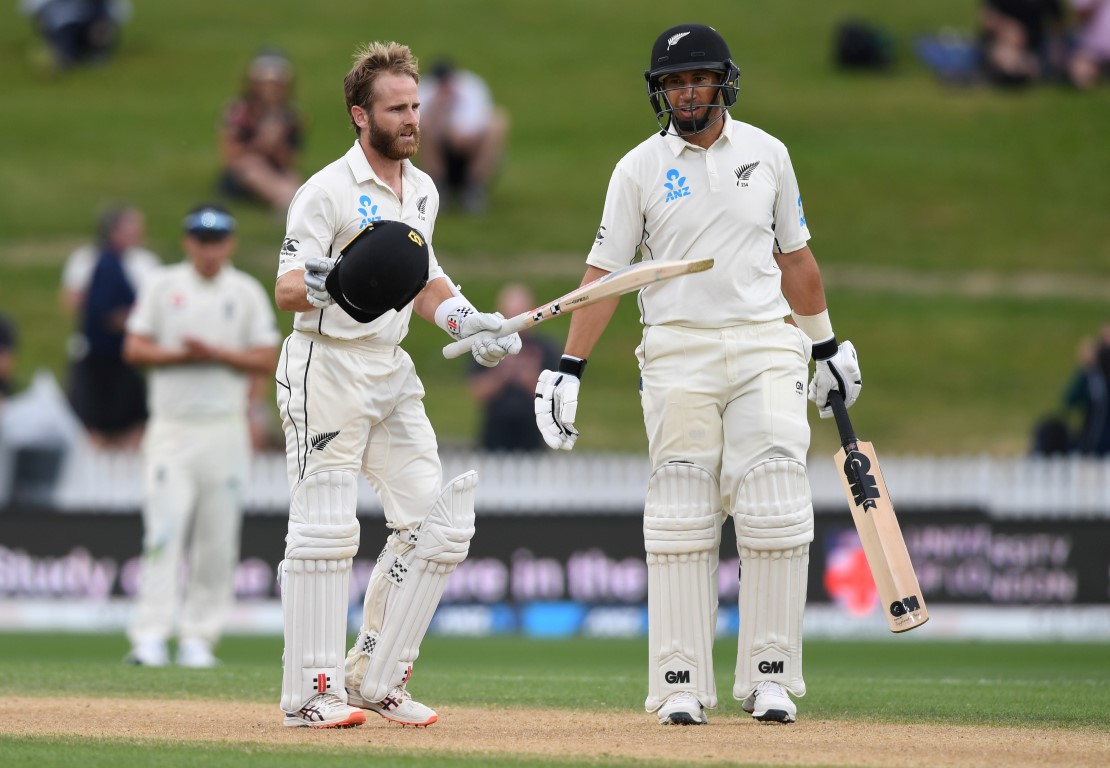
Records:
x=676, y=143
x=360, y=166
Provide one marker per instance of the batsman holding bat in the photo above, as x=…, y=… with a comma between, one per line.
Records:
x=356, y=263
x=722, y=378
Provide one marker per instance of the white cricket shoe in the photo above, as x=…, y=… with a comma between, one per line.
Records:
x=682, y=708
x=397, y=707
x=195, y=654
x=149, y=652
x=325, y=710
x=770, y=703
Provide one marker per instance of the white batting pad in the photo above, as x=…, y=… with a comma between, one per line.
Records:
x=405, y=589
x=682, y=536
x=315, y=581
x=774, y=526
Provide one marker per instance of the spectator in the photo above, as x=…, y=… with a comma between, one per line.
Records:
x=1090, y=61
x=124, y=225
x=8, y=343
x=262, y=134
x=1088, y=393
x=78, y=31
x=107, y=394
x=463, y=134
x=1020, y=40
x=507, y=392
x=205, y=329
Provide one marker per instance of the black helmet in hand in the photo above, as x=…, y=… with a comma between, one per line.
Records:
x=383, y=267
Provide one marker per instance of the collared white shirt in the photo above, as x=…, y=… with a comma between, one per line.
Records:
x=330, y=209
x=230, y=310
x=737, y=203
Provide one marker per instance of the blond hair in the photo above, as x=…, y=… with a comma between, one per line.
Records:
x=372, y=60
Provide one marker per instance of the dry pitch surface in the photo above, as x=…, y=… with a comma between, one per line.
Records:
x=558, y=733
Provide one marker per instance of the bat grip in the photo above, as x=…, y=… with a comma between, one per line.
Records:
x=508, y=327
x=843, y=423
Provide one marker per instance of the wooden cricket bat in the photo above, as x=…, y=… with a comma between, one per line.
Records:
x=622, y=281
x=877, y=525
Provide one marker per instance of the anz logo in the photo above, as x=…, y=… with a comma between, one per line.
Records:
x=367, y=210
x=675, y=185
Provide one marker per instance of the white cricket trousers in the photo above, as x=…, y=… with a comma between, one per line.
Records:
x=195, y=472
x=725, y=399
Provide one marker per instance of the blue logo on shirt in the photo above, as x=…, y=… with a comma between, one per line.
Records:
x=801, y=213
x=368, y=211
x=675, y=185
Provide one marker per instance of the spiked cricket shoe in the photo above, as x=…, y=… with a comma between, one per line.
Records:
x=770, y=703
x=682, y=708
x=397, y=707
x=325, y=710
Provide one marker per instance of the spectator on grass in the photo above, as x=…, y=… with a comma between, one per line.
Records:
x=261, y=136
x=1021, y=41
x=462, y=135
x=78, y=31
x=1089, y=62
x=507, y=392
x=8, y=343
x=107, y=394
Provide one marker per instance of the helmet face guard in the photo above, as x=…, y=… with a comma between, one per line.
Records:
x=685, y=48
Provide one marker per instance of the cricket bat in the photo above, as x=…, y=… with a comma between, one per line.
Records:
x=622, y=281
x=873, y=514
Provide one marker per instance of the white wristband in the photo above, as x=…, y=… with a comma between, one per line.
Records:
x=451, y=313
x=817, y=327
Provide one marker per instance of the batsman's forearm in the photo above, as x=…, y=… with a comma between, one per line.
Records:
x=289, y=293
x=587, y=325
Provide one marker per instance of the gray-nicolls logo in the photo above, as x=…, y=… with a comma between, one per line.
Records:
x=320, y=441
x=744, y=173
x=675, y=38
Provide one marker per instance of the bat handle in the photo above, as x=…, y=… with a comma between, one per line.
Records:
x=843, y=423
x=462, y=346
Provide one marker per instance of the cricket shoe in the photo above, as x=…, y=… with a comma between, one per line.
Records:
x=195, y=654
x=682, y=708
x=325, y=710
x=770, y=703
x=397, y=707
x=148, y=653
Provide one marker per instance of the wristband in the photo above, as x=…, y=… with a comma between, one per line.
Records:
x=451, y=313
x=575, y=366
x=817, y=327
x=823, y=350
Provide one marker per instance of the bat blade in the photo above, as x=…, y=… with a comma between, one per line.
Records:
x=626, y=280
x=877, y=525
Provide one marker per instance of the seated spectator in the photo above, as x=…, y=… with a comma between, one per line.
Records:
x=8, y=343
x=107, y=394
x=1021, y=40
x=78, y=31
x=507, y=392
x=462, y=133
x=1090, y=61
x=262, y=134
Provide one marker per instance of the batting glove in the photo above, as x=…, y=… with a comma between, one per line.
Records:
x=317, y=269
x=557, y=403
x=461, y=320
x=837, y=368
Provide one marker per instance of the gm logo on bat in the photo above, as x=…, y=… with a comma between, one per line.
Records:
x=865, y=489
x=905, y=605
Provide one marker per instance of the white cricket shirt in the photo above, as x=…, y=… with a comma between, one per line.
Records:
x=232, y=310
x=330, y=209
x=737, y=203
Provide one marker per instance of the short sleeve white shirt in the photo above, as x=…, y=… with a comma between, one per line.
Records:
x=231, y=310
x=470, y=107
x=138, y=265
x=737, y=202
x=330, y=209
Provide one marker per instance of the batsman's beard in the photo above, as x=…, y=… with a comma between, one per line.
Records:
x=389, y=144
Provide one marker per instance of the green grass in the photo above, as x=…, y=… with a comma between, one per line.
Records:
x=897, y=172
x=1060, y=687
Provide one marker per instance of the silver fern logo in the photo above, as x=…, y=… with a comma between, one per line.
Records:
x=320, y=441
x=422, y=206
x=744, y=173
x=675, y=38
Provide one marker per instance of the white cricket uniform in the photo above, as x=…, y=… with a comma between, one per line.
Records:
x=196, y=446
x=349, y=396
x=723, y=391
x=723, y=377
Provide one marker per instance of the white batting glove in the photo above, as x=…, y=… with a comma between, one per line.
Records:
x=461, y=320
x=837, y=368
x=317, y=269
x=557, y=403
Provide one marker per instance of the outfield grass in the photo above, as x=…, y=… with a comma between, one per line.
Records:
x=897, y=171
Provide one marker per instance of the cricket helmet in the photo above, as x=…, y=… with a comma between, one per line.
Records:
x=383, y=267
x=686, y=47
